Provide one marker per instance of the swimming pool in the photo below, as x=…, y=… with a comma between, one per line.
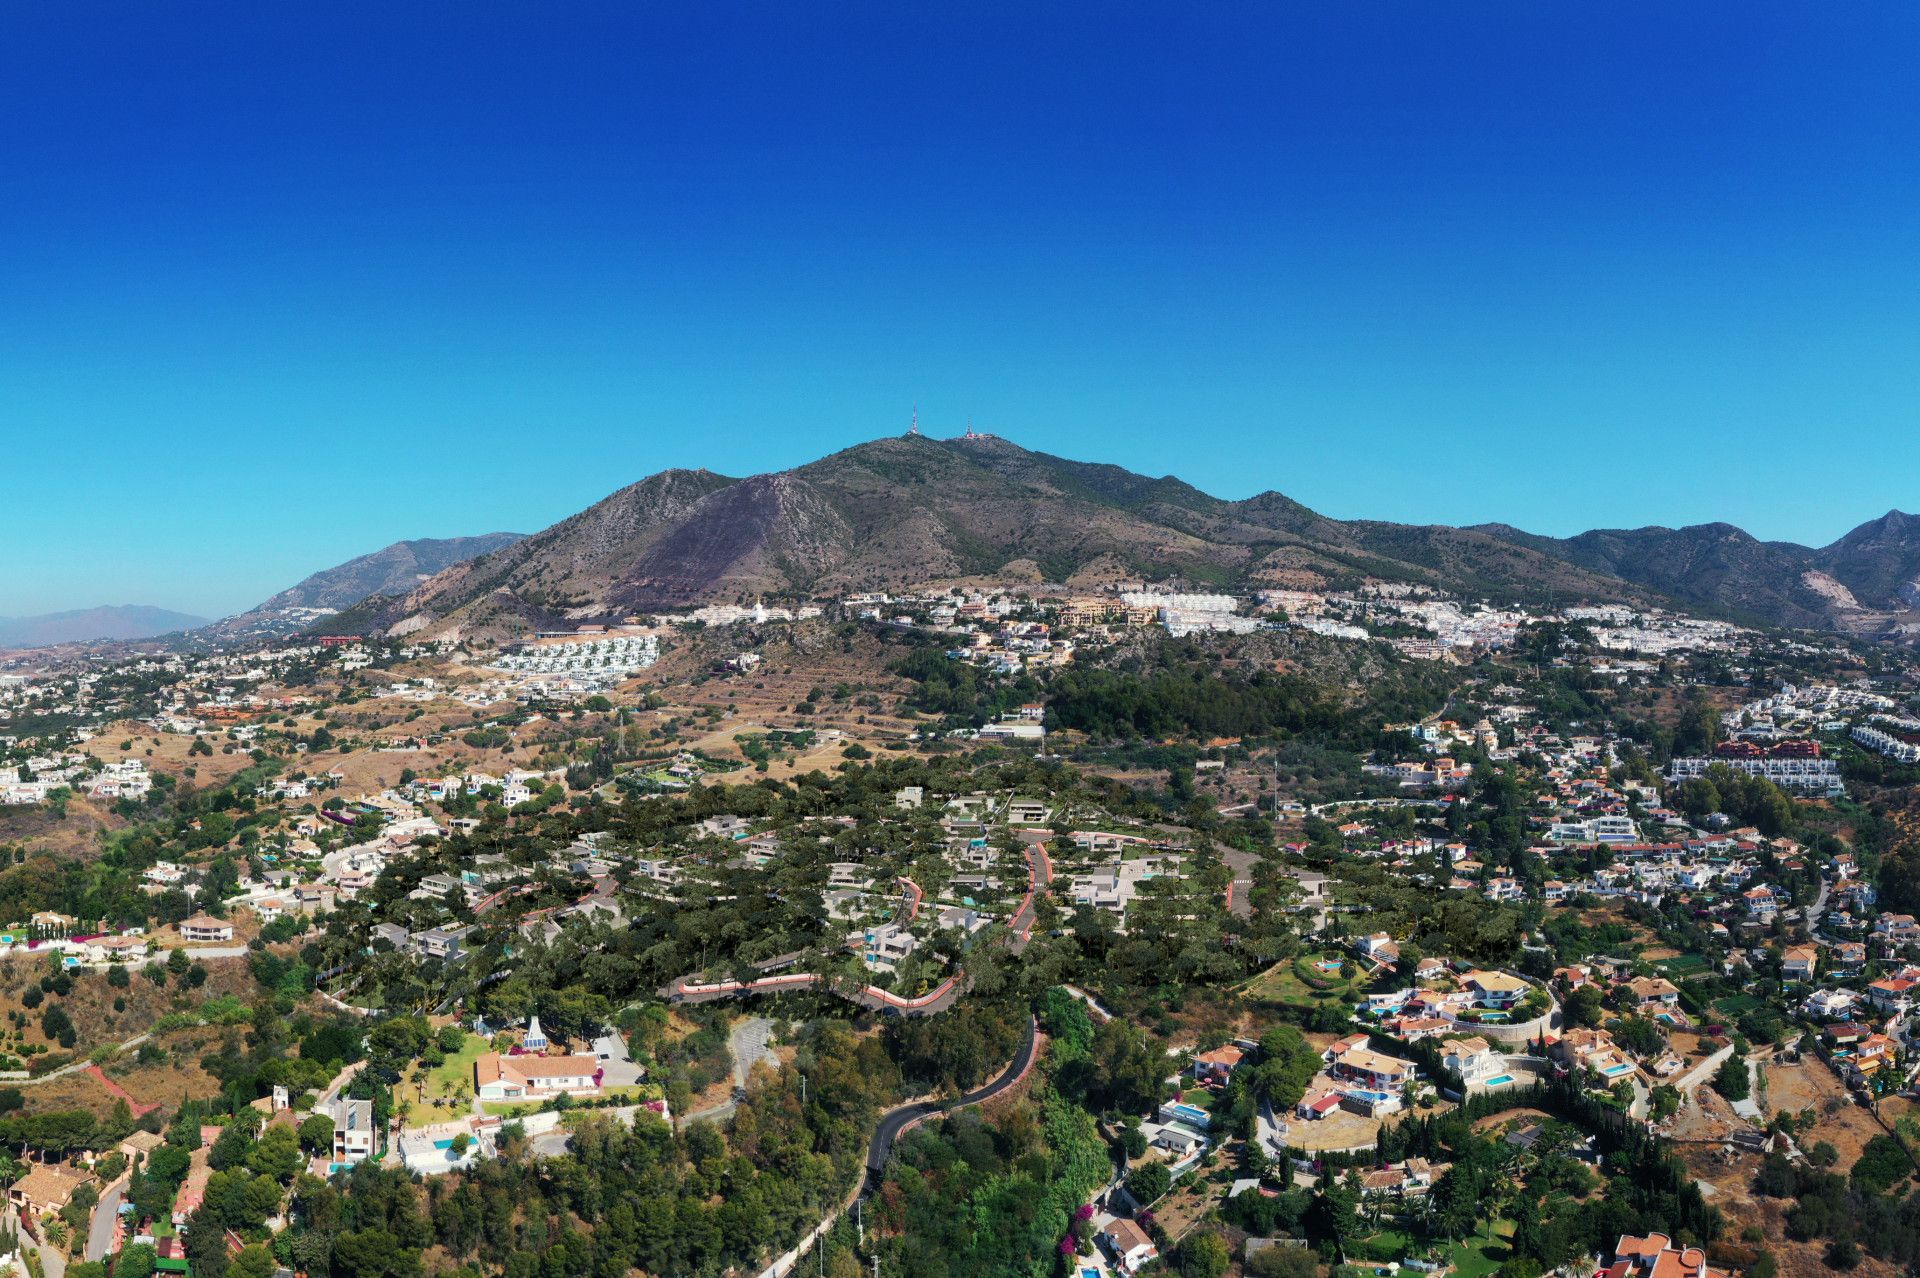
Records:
x=443, y=1144
x=1500, y=1080
x=1615, y=1071
x=1371, y=1098
x=1190, y=1114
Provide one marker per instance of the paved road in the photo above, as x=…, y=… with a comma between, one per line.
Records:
x=1818, y=909
x=896, y=1121
x=100, y=1235
x=789, y=1264
x=748, y=1042
x=1241, y=863
x=718, y=1114
x=616, y=1060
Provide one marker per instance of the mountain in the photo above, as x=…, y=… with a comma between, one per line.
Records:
x=910, y=510
x=1867, y=582
x=115, y=621
x=1879, y=562
x=393, y=570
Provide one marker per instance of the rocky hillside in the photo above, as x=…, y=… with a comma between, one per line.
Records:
x=393, y=570
x=912, y=510
x=1868, y=582
x=906, y=511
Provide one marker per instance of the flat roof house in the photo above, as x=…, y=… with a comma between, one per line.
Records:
x=353, y=1129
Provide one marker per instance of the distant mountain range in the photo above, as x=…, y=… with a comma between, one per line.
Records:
x=393, y=570
x=115, y=621
x=1867, y=582
x=909, y=511
x=906, y=511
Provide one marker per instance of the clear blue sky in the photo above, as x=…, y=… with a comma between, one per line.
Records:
x=282, y=283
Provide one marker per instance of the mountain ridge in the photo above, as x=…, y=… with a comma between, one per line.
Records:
x=911, y=510
x=900, y=511
x=391, y=570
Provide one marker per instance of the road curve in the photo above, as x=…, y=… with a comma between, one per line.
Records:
x=896, y=1122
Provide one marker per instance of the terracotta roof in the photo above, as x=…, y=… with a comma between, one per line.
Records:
x=1126, y=1235
x=492, y=1066
x=50, y=1183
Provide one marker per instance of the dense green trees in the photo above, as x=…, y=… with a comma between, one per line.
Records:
x=1189, y=700
x=1732, y=1080
x=694, y=1203
x=1286, y=1066
x=973, y=1199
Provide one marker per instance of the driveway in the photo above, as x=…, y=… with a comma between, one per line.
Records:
x=615, y=1060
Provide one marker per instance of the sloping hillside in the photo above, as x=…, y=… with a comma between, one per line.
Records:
x=911, y=510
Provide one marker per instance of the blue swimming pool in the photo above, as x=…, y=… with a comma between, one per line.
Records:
x=1615, y=1071
x=443, y=1144
x=1372, y=1098
x=1190, y=1114
x=1500, y=1080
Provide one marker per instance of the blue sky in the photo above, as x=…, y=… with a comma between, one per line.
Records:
x=285, y=283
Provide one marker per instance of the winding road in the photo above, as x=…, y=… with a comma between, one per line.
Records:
x=893, y=1124
x=897, y=1122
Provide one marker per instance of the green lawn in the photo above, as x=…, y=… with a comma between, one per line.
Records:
x=1682, y=966
x=1279, y=984
x=1476, y=1257
x=449, y=1087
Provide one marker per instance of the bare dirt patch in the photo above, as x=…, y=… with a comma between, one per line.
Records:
x=1841, y=1123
